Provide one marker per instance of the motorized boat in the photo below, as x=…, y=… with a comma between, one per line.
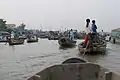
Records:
x=66, y=42
x=32, y=39
x=16, y=41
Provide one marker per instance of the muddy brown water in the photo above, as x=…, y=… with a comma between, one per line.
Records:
x=22, y=61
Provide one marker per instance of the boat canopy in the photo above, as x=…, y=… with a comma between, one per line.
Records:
x=4, y=33
x=115, y=32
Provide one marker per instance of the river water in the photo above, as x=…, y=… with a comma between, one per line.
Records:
x=22, y=61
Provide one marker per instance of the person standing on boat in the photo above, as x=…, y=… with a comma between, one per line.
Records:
x=12, y=35
x=103, y=35
x=88, y=32
x=94, y=27
x=71, y=35
x=94, y=30
x=8, y=39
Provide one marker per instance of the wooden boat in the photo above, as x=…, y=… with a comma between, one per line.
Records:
x=66, y=42
x=53, y=35
x=16, y=41
x=96, y=47
x=75, y=69
x=96, y=44
x=32, y=39
x=53, y=38
x=43, y=34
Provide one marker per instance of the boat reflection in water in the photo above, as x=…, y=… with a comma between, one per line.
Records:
x=65, y=48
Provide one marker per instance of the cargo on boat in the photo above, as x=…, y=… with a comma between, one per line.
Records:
x=53, y=35
x=75, y=69
x=94, y=46
x=66, y=42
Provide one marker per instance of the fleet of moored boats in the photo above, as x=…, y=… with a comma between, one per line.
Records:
x=97, y=45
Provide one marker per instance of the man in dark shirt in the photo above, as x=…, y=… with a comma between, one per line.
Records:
x=94, y=27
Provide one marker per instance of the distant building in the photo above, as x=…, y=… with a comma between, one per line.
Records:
x=11, y=26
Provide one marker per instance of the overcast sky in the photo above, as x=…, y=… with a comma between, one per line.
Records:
x=53, y=14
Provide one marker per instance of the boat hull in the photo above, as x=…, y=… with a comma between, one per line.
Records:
x=16, y=42
x=67, y=45
x=3, y=41
x=32, y=41
x=75, y=71
x=93, y=50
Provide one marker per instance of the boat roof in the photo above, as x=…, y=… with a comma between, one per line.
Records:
x=118, y=30
x=3, y=32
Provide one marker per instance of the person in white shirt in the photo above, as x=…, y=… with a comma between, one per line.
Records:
x=88, y=27
x=88, y=31
x=102, y=33
x=12, y=35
